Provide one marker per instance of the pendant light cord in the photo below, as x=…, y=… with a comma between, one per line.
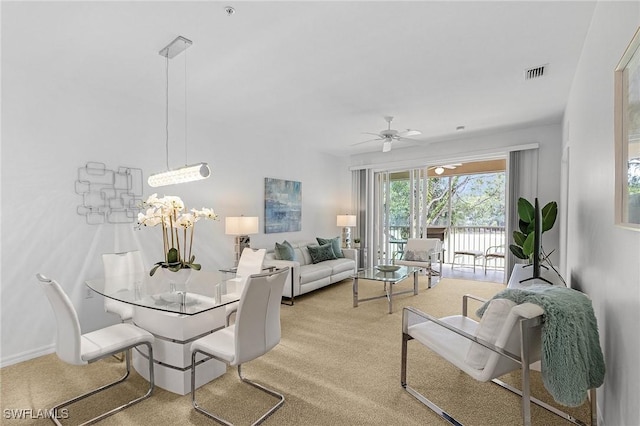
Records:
x=185, y=108
x=167, y=113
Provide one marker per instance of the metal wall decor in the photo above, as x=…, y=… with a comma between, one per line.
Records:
x=109, y=196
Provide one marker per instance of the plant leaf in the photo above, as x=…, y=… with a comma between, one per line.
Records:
x=153, y=270
x=518, y=238
x=173, y=256
x=526, y=227
x=525, y=210
x=517, y=251
x=549, y=214
x=527, y=247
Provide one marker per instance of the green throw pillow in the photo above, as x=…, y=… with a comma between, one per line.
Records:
x=321, y=253
x=335, y=245
x=285, y=251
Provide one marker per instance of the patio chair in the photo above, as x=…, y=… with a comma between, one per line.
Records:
x=493, y=253
x=475, y=254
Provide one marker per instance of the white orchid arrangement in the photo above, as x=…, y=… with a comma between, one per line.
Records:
x=178, y=228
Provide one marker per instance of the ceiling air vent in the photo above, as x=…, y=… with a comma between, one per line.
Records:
x=536, y=72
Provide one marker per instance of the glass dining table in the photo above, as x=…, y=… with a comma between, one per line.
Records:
x=176, y=315
x=203, y=291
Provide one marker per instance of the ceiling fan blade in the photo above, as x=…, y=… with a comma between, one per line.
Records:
x=374, y=134
x=409, y=132
x=370, y=140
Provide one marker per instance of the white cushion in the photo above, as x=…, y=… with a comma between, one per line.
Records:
x=489, y=329
x=220, y=344
x=96, y=344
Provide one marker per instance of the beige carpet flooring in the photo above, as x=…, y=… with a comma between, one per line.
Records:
x=336, y=365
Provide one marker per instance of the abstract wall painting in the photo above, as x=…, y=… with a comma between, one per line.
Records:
x=282, y=205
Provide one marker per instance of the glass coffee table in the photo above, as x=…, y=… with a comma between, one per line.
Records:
x=389, y=277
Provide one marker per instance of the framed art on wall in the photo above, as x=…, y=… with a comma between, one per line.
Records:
x=627, y=136
x=282, y=205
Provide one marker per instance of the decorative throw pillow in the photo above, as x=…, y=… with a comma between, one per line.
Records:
x=285, y=251
x=488, y=330
x=321, y=253
x=335, y=245
x=417, y=255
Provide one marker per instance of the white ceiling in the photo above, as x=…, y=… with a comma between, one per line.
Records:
x=318, y=74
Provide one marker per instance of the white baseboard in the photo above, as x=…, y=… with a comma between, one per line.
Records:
x=25, y=356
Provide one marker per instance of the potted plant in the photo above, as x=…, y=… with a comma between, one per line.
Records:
x=356, y=242
x=177, y=231
x=523, y=238
x=525, y=243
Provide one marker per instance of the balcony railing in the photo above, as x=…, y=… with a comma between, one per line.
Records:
x=457, y=238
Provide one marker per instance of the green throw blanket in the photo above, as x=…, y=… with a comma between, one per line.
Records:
x=572, y=360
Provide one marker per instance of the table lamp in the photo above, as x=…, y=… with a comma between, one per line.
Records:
x=241, y=227
x=346, y=221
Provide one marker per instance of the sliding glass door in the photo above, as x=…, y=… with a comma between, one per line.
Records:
x=466, y=211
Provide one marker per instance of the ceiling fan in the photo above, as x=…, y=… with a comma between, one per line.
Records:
x=389, y=135
x=440, y=169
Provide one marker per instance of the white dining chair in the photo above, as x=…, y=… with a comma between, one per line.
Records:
x=255, y=332
x=120, y=264
x=80, y=349
x=250, y=263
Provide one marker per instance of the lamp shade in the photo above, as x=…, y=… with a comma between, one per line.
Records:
x=241, y=225
x=181, y=175
x=346, y=220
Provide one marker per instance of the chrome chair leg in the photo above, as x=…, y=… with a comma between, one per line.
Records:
x=264, y=389
x=243, y=379
x=127, y=353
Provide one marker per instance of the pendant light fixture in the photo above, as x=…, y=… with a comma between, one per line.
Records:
x=188, y=173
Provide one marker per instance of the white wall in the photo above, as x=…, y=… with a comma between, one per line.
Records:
x=55, y=121
x=604, y=260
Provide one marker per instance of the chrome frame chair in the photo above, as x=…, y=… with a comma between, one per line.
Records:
x=528, y=327
x=256, y=331
x=433, y=249
x=81, y=349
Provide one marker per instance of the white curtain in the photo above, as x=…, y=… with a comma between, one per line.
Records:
x=522, y=181
x=361, y=188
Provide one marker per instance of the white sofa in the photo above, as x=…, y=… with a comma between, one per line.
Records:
x=305, y=276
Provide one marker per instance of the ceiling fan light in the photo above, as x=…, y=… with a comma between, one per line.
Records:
x=182, y=175
x=386, y=146
x=439, y=170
